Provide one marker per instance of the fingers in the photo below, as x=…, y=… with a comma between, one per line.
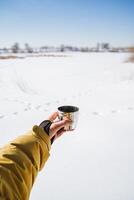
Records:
x=53, y=116
x=59, y=126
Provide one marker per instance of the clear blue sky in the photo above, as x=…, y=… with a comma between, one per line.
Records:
x=73, y=22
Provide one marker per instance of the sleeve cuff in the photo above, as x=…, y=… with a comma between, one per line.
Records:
x=39, y=132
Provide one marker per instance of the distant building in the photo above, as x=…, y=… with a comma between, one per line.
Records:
x=102, y=47
x=105, y=46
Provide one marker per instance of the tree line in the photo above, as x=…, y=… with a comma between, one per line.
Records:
x=100, y=47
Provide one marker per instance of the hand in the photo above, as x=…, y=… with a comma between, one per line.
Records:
x=57, y=127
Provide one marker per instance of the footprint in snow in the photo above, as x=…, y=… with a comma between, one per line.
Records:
x=15, y=113
x=38, y=107
x=26, y=109
x=95, y=113
x=57, y=102
x=15, y=100
x=29, y=107
x=130, y=108
x=2, y=116
x=48, y=103
x=114, y=111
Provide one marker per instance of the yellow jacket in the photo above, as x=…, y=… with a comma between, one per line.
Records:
x=20, y=162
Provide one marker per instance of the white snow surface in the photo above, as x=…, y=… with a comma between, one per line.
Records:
x=96, y=161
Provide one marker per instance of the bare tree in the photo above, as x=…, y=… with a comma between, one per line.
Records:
x=15, y=48
x=28, y=48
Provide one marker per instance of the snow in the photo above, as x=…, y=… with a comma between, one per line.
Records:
x=96, y=161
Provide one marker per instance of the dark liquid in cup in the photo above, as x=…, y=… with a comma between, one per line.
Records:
x=68, y=109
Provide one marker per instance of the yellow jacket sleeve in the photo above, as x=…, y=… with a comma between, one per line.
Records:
x=20, y=162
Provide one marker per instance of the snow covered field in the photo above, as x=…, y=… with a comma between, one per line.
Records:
x=96, y=161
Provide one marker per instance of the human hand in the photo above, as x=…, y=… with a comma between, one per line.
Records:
x=57, y=127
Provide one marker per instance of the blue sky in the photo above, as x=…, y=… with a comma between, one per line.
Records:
x=72, y=22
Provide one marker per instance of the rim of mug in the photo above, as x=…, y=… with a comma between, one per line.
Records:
x=74, y=108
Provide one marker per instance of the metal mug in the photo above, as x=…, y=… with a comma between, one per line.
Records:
x=70, y=112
